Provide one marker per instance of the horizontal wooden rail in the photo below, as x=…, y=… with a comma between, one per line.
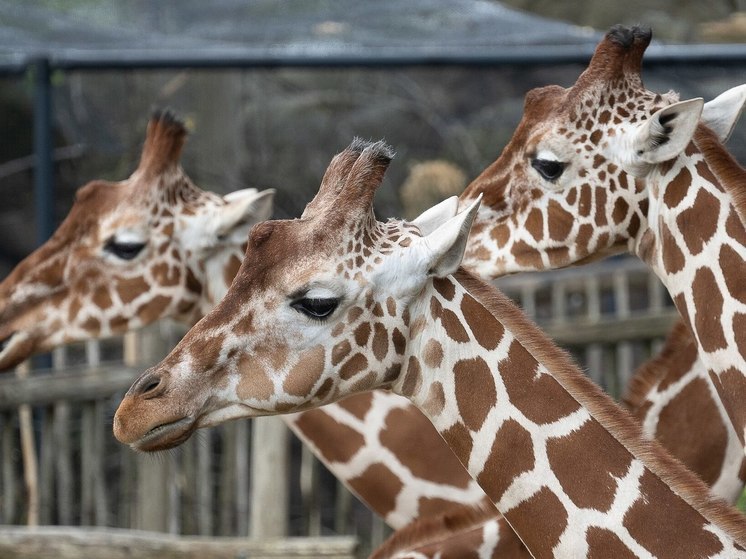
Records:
x=65, y=542
x=612, y=330
x=71, y=385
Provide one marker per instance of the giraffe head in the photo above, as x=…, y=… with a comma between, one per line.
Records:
x=128, y=253
x=572, y=183
x=322, y=311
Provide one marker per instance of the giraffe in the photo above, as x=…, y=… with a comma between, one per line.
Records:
x=336, y=303
x=671, y=396
x=608, y=166
x=156, y=246
x=119, y=261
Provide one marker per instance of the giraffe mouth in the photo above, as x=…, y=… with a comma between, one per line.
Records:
x=166, y=435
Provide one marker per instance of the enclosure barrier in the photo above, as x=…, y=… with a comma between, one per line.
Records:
x=111, y=543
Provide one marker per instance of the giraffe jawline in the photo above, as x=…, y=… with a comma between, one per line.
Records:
x=166, y=435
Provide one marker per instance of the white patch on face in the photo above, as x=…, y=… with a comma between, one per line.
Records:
x=620, y=149
x=546, y=155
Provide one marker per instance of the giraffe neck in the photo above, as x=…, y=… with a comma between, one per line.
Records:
x=675, y=401
x=696, y=244
x=486, y=392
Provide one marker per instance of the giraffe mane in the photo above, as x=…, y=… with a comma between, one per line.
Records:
x=652, y=371
x=616, y=419
x=434, y=529
x=728, y=171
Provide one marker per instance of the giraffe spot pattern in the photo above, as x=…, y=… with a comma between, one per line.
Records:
x=353, y=366
x=600, y=207
x=407, y=435
x=525, y=255
x=435, y=401
x=512, y=453
x=459, y=440
x=400, y=342
x=584, y=206
x=383, y=501
x=254, y=380
x=708, y=307
x=131, y=288
x=619, y=213
x=665, y=540
x=358, y=404
x=413, y=377
x=677, y=188
x=603, y=543
x=153, y=309
x=474, y=406
x=529, y=392
x=733, y=266
x=340, y=351
x=734, y=228
x=362, y=334
x=535, y=224
x=543, y=535
x=699, y=222
x=486, y=330
x=733, y=383
x=92, y=325
x=690, y=424
x=673, y=258
x=432, y=355
x=380, y=341
x=588, y=481
x=558, y=256
x=304, y=374
x=101, y=299
x=445, y=287
x=559, y=221
x=450, y=321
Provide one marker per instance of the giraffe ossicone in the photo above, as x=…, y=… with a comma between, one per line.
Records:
x=366, y=304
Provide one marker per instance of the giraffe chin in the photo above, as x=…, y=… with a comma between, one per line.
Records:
x=166, y=435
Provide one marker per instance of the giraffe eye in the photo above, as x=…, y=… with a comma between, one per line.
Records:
x=318, y=309
x=123, y=250
x=548, y=169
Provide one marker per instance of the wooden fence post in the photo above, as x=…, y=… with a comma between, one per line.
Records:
x=151, y=509
x=269, y=478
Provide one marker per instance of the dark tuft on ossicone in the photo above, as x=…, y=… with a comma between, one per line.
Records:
x=379, y=150
x=626, y=36
x=168, y=119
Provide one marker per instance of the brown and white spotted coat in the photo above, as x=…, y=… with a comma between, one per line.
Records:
x=336, y=303
x=179, y=249
x=607, y=166
x=128, y=253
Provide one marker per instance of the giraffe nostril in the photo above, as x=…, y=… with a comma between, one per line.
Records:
x=149, y=386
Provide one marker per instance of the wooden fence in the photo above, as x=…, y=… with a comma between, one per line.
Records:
x=241, y=479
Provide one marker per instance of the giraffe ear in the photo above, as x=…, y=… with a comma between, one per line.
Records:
x=667, y=132
x=443, y=248
x=722, y=113
x=431, y=218
x=244, y=208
